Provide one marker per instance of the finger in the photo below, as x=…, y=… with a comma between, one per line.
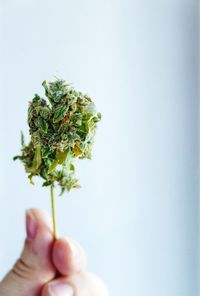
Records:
x=34, y=268
x=68, y=256
x=81, y=284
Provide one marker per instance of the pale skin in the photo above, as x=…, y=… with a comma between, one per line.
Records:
x=49, y=267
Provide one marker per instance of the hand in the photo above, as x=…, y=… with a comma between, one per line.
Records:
x=50, y=268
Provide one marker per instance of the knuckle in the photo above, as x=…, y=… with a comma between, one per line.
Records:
x=23, y=270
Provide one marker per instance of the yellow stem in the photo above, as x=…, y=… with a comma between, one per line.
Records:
x=53, y=211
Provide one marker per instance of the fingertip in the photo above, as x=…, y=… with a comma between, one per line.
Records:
x=68, y=256
x=39, y=242
x=58, y=288
x=43, y=219
x=82, y=283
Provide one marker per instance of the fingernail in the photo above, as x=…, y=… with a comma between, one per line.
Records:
x=31, y=225
x=60, y=289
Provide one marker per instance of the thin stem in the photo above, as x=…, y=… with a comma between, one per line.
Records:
x=53, y=211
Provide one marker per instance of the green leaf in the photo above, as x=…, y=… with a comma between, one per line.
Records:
x=45, y=112
x=60, y=113
x=61, y=156
x=72, y=167
x=31, y=179
x=46, y=183
x=52, y=166
x=43, y=125
x=77, y=150
x=44, y=83
x=58, y=96
x=37, y=160
x=18, y=157
x=22, y=139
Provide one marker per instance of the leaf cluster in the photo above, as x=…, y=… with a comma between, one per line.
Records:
x=62, y=127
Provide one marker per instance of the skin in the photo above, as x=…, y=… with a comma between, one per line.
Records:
x=50, y=268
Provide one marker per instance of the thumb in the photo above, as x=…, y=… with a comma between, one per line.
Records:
x=34, y=268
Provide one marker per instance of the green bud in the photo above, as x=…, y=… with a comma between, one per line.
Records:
x=62, y=128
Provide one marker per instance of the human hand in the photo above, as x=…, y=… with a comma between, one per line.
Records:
x=50, y=268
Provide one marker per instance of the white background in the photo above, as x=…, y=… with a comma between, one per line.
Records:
x=136, y=214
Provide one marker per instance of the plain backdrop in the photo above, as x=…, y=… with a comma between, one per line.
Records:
x=136, y=213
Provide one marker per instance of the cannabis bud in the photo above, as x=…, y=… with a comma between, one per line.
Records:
x=62, y=129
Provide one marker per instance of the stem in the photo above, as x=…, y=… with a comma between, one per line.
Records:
x=53, y=211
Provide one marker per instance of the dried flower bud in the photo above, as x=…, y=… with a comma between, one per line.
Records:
x=61, y=131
